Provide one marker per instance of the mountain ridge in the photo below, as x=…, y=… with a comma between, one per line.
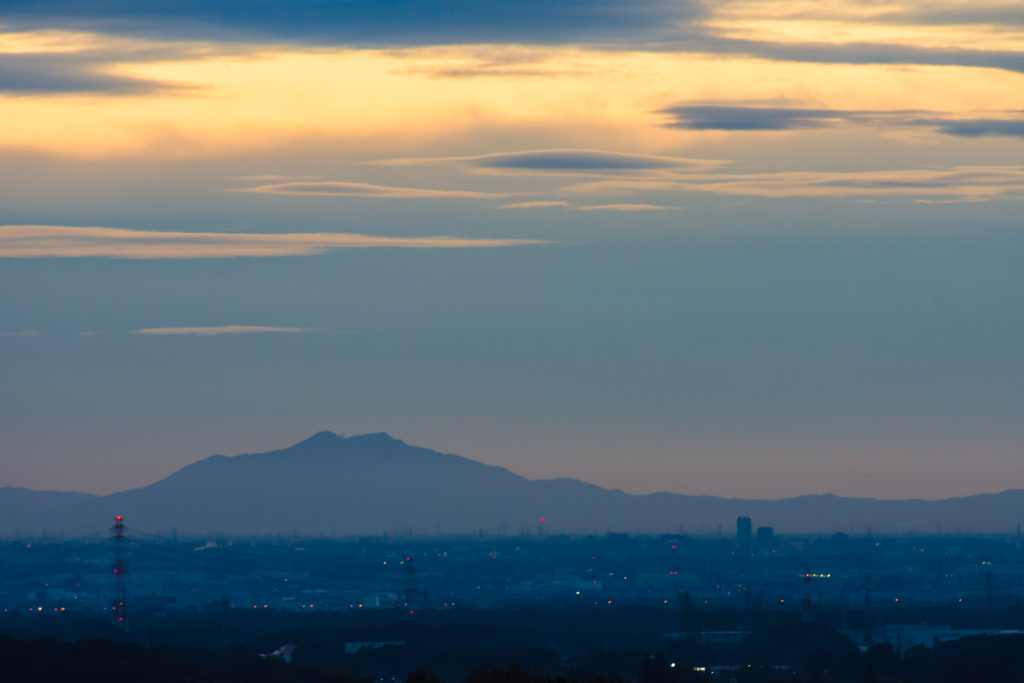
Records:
x=373, y=483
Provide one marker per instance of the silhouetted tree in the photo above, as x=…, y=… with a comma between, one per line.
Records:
x=421, y=675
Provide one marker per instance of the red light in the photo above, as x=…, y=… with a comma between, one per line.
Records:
x=542, y=519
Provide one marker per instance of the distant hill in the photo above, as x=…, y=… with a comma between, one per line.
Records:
x=374, y=484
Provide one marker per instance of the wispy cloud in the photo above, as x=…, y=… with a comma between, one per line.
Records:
x=22, y=333
x=38, y=241
x=625, y=207
x=964, y=183
x=334, y=188
x=533, y=205
x=226, y=329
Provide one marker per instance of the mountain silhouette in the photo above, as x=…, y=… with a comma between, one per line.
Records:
x=374, y=484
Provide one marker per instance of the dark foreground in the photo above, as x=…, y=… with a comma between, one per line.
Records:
x=486, y=646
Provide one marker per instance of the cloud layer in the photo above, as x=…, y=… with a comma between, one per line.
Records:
x=38, y=241
x=367, y=22
x=726, y=27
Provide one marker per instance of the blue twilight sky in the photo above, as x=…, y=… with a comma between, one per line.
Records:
x=753, y=248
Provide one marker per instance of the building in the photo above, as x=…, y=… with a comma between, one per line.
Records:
x=743, y=534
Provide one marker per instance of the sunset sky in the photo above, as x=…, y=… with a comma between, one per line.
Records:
x=750, y=248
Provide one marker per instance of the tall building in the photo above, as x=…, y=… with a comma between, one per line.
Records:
x=743, y=534
x=765, y=538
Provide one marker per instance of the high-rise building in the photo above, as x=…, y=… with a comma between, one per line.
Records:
x=765, y=538
x=743, y=534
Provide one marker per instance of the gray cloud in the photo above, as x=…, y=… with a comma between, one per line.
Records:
x=714, y=117
x=64, y=73
x=575, y=160
x=84, y=71
x=731, y=118
x=974, y=128
x=853, y=53
x=556, y=160
x=90, y=67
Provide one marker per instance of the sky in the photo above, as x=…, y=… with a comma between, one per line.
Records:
x=747, y=248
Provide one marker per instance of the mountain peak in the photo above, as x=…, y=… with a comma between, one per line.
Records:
x=329, y=437
x=329, y=443
x=382, y=437
x=324, y=437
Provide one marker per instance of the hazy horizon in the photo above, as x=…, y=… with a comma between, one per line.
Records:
x=510, y=469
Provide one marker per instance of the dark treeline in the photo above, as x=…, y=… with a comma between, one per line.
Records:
x=503, y=646
x=565, y=630
x=100, y=661
x=817, y=654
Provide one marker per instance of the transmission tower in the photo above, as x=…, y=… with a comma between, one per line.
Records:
x=808, y=603
x=685, y=620
x=119, y=569
x=410, y=582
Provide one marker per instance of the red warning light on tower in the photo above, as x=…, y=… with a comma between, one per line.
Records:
x=119, y=569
